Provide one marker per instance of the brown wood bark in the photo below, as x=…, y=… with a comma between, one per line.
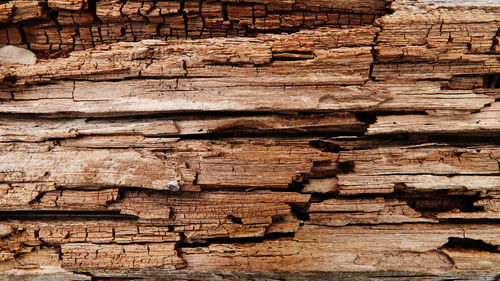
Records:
x=254, y=140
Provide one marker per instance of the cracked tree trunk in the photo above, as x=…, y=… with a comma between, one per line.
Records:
x=310, y=140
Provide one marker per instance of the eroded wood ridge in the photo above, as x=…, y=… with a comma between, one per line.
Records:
x=291, y=140
x=60, y=25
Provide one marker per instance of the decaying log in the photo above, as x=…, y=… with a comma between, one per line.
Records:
x=250, y=140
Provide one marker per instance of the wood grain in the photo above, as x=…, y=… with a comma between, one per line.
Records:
x=250, y=140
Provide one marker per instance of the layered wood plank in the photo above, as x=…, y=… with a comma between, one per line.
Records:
x=295, y=140
x=80, y=24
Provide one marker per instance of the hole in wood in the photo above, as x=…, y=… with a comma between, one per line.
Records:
x=457, y=243
x=492, y=81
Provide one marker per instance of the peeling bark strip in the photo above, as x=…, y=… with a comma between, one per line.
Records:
x=309, y=140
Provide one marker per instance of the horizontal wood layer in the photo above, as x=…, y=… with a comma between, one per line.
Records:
x=52, y=28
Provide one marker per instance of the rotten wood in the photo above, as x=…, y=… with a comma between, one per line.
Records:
x=245, y=140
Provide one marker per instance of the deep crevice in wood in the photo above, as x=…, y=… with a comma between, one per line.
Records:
x=457, y=243
x=43, y=215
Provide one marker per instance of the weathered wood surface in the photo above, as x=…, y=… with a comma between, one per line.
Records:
x=255, y=140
